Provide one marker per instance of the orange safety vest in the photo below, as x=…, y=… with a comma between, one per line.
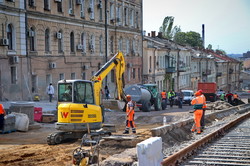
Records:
x=130, y=114
x=198, y=100
x=163, y=95
x=1, y=109
x=235, y=96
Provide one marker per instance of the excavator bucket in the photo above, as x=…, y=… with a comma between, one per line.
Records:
x=113, y=104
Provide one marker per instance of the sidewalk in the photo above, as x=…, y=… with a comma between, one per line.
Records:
x=46, y=105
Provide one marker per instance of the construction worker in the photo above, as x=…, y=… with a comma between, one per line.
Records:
x=164, y=97
x=235, y=99
x=130, y=115
x=222, y=97
x=204, y=110
x=2, y=114
x=198, y=103
x=171, y=96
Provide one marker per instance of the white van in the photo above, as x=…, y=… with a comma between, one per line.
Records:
x=188, y=96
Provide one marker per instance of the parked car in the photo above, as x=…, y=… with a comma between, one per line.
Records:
x=188, y=96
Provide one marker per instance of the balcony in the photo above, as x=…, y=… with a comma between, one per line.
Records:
x=170, y=69
x=206, y=72
x=182, y=69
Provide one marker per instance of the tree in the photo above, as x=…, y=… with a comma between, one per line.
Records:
x=167, y=28
x=210, y=47
x=188, y=38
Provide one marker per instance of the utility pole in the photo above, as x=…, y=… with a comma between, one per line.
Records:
x=106, y=38
x=178, y=68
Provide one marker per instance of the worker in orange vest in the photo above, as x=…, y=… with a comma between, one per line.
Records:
x=164, y=97
x=198, y=103
x=235, y=99
x=204, y=109
x=130, y=113
x=2, y=114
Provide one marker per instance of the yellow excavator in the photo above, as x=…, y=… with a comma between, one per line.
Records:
x=80, y=108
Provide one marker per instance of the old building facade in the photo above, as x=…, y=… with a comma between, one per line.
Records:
x=73, y=39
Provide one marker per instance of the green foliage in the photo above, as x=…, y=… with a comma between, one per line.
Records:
x=188, y=38
x=210, y=47
x=167, y=28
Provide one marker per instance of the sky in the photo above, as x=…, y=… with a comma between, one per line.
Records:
x=227, y=22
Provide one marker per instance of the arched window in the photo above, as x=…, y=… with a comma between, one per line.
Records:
x=72, y=42
x=32, y=39
x=60, y=41
x=47, y=40
x=10, y=36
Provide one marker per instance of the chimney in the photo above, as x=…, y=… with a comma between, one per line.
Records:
x=203, y=35
x=160, y=35
x=152, y=33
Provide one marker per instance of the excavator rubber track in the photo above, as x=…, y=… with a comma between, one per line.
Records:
x=60, y=137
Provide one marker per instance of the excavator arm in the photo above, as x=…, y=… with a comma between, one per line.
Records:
x=117, y=62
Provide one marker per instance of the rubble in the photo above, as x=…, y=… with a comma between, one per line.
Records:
x=218, y=105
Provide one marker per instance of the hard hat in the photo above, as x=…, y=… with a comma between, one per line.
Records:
x=198, y=93
x=128, y=97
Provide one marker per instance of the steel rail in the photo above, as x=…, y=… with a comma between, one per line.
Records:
x=175, y=158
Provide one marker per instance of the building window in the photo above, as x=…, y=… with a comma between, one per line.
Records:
x=32, y=39
x=112, y=76
x=132, y=18
x=71, y=10
x=120, y=44
x=82, y=9
x=84, y=76
x=112, y=8
x=13, y=71
x=133, y=47
x=133, y=73
x=59, y=7
x=139, y=74
x=10, y=36
x=112, y=44
x=150, y=62
x=60, y=42
x=92, y=44
x=61, y=76
x=101, y=45
x=72, y=42
x=126, y=16
x=118, y=15
x=48, y=79
x=100, y=10
x=127, y=47
x=46, y=4
x=137, y=20
x=47, y=40
x=83, y=42
x=31, y=3
x=91, y=9
x=73, y=76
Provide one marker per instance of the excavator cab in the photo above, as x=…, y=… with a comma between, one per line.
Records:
x=76, y=106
